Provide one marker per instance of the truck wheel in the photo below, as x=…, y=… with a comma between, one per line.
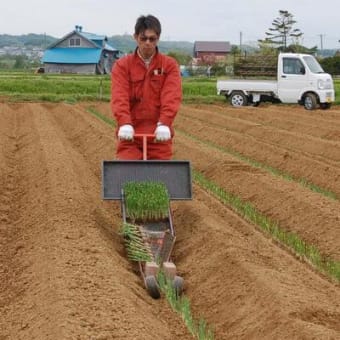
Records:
x=238, y=99
x=325, y=106
x=310, y=102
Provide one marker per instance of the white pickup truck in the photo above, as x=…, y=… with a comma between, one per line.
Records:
x=300, y=79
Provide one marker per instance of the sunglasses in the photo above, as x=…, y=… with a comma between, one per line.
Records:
x=151, y=39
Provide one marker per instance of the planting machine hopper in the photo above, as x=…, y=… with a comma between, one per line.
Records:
x=158, y=236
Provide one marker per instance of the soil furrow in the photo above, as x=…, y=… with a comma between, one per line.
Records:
x=10, y=265
x=321, y=149
x=293, y=119
x=294, y=163
x=34, y=310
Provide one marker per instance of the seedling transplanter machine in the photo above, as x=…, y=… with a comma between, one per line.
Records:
x=150, y=238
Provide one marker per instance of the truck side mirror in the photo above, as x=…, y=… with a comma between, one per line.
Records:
x=302, y=70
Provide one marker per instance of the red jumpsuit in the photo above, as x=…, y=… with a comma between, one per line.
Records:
x=142, y=97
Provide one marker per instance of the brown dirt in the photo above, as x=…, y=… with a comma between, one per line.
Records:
x=63, y=267
x=64, y=274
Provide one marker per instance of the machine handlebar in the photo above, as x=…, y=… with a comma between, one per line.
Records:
x=145, y=137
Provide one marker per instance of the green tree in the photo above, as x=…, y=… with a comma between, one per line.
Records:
x=181, y=57
x=20, y=62
x=281, y=30
x=235, y=50
x=331, y=65
x=301, y=49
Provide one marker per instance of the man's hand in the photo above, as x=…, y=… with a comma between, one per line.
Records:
x=126, y=132
x=162, y=133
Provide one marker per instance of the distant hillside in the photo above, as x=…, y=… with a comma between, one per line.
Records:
x=26, y=40
x=124, y=43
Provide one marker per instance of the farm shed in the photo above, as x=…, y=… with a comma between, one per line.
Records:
x=80, y=52
x=210, y=51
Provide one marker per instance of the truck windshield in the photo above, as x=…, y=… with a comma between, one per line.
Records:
x=313, y=64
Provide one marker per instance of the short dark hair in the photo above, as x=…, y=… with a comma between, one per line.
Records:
x=148, y=22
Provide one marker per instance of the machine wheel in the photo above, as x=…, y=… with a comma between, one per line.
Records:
x=325, y=106
x=152, y=287
x=310, y=102
x=178, y=284
x=238, y=98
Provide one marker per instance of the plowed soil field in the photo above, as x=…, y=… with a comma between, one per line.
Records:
x=63, y=268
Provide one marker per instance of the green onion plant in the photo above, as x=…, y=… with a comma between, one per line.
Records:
x=136, y=248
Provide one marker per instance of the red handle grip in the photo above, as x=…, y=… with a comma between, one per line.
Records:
x=145, y=136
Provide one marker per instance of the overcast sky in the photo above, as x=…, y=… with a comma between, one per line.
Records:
x=235, y=21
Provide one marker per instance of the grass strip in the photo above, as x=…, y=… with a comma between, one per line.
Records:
x=181, y=304
x=23, y=86
x=277, y=172
x=102, y=117
x=94, y=87
x=247, y=211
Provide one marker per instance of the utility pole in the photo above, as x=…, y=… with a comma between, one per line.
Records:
x=321, y=42
x=240, y=42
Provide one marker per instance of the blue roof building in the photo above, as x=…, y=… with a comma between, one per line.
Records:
x=80, y=52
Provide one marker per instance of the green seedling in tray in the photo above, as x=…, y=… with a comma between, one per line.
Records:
x=146, y=201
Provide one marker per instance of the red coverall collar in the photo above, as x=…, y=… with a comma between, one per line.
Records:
x=153, y=57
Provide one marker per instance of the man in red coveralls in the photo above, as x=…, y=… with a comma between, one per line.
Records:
x=146, y=95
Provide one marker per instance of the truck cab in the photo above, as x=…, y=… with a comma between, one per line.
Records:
x=302, y=80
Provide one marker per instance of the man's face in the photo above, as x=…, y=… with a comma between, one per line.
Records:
x=147, y=42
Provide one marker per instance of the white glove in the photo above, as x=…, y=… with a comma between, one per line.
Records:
x=126, y=132
x=162, y=133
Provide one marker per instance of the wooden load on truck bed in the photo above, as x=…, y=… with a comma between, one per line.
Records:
x=256, y=66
